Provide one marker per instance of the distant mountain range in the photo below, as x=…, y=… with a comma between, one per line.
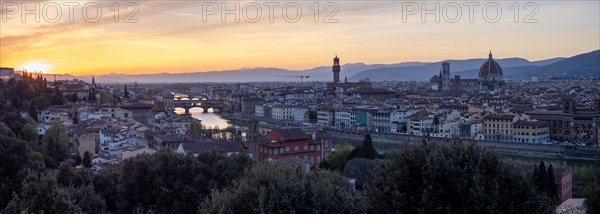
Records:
x=587, y=64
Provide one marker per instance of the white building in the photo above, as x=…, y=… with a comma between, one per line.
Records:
x=299, y=113
x=300, y=94
x=282, y=112
x=259, y=110
x=530, y=131
x=50, y=114
x=419, y=125
x=115, y=139
x=343, y=119
x=381, y=122
x=476, y=129
x=87, y=113
x=326, y=117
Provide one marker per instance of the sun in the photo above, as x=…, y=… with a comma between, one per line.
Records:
x=36, y=66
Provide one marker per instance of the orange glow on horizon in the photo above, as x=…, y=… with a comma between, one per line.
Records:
x=35, y=67
x=171, y=37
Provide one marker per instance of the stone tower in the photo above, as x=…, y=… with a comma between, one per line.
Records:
x=336, y=69
x=445, y=76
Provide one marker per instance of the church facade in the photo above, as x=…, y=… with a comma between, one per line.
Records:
x=490, y=78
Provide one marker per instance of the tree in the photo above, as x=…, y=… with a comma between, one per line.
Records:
x=33, y=112
x=592, y=190
x=13, y=155
x=77, y=159
x=11, y=118
x=544, y=182
x=28, y=133
x=13, y=159
x=367, y=150
x=106, y=98
x=74, y=98
x=76, y=177
x=452, y=178
x=403, y=129
x=436, y=122
x=168, y=182
x=125, y=93
x=362, y=170
x=23, y=90
x=338, y=159
x=87, y=159
x=37, y=157
x=276, y=188
x=551, y=185
x=42, y=193
x=5, y=130
x=57, y=97
x=541, y=178
x=56, y=140
x=92, y=95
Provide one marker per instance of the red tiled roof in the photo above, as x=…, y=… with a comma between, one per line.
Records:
x=490, y=67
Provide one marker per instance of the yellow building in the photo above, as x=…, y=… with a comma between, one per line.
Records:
x=87, y=143
x=499, y=127
x=531, y=131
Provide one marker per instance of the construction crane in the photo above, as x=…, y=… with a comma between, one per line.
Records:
x=302, y=77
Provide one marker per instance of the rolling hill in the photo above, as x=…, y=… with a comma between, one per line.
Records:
x=586, y=64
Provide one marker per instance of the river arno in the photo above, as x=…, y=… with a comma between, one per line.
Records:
x=209, y=119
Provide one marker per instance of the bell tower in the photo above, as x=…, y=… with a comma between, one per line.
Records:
x=336, y=69
x=445, y=76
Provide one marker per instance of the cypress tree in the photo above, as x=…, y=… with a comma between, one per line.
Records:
x=367, y=150
x=87, y=160
x=125, y=93
x=551, y=184
x=51, y=147
x=542, y=178
x=33, y=112
x=534, y=177
x=77, y=159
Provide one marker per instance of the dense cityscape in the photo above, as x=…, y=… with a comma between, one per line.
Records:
x=344, y=127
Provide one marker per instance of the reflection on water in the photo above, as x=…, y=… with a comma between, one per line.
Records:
x=209, y=119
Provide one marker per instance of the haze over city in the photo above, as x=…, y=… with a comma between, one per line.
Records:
x=174, y=37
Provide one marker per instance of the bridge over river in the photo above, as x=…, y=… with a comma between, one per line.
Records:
x=190, y=100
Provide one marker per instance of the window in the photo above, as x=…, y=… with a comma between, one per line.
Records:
x=281, y=150
x=318, y=147
x=287, y=149
x=296, y=148
x=305, y=147
x=276, y=151
x=312, y=159
x=318, y=159
x=312, y=147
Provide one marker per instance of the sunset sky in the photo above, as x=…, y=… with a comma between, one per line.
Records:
x=170, y=36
